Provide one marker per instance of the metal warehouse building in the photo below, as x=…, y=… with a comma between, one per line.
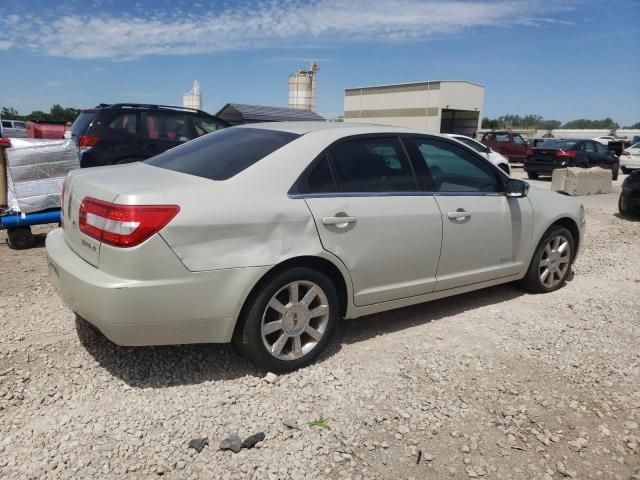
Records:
x=452, y=106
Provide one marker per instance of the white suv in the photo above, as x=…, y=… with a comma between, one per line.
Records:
x=14, y=128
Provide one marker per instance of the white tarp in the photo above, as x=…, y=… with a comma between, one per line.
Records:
x=35, y=172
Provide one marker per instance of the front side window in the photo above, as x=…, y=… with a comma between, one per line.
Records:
x=452, y=169
x=124, y=123
x=602, y=149
x=518, y=140
x=224, y=153
x=6, y=124
x=19, y=125
x=589, y=147
x=372, y=165
x=502, y=137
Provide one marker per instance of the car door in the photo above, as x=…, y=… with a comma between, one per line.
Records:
x=121, y=137
x=485, y=235
x=519, y=146
x=605, y=158
x=369, y=213
x=591, y=152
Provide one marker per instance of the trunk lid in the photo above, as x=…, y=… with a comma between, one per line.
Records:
x=144, y=184
x=544, y=155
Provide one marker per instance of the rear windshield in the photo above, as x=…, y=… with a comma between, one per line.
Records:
x=81, y=123
x=558, y=144
x=478, y=147
x=222, y=154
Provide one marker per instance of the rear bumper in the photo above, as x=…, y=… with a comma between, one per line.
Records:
x=193, y=308
x=541, y=167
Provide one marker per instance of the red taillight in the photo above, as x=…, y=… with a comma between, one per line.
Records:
x=123, y=225
x=85, y=142
x=625, y=152
x=568, y=154
x=5, y=142
x=529, y=152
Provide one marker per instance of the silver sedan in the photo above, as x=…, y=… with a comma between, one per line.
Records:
x=266, y=234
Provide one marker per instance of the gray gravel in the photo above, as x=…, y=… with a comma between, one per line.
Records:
x=493, y=384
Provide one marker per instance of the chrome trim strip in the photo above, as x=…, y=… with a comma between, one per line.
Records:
x=396, y=194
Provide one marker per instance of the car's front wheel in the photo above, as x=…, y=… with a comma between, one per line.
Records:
x=551, y=262
x=532, y=175
x=289, y=320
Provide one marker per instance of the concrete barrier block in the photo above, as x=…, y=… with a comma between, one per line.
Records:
x=581, y=181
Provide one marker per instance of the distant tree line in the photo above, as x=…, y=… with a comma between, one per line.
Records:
x=57, y=113
x=539, y=123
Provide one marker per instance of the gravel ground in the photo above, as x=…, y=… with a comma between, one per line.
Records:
x=492, y=384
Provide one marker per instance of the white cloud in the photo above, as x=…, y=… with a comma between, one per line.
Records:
x=264, y=23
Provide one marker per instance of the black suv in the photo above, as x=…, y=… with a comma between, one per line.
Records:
x=130, y=132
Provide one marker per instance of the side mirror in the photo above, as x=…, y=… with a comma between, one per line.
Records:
x=515, y=188
x=488, y=149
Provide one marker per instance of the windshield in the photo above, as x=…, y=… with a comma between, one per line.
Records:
x=223, y=154
x=558, y=144
x=81, y=123
x=478, y=147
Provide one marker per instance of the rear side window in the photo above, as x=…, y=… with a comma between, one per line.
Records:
x=82, y=123
x=224, y=153
x=502, y=137
x=125, y=123
x=372, y=165
x=19, y=125
x=6, y=124
x=165, y=127
x=320, y=179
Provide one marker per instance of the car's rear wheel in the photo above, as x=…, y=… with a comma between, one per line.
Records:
x=625, y=170
x=614, y=172
x=551, y=262
x=289, y=321
x=20, y=238
x=532, y=175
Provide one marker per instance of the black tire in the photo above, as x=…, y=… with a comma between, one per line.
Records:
x=614, y=172
x=623, y=211
x=248, y=335
x=532, y=175
x=626, y=170
x=531, y=280
x=20, y=238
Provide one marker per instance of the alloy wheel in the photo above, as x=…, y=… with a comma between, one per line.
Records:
x=295, y=320
x=555, y=261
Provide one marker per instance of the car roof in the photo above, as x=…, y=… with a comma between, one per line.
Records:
x=301, y=128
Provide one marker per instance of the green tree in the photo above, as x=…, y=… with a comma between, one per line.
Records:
x=10, y=113
x=606, y=123
x=634, y=126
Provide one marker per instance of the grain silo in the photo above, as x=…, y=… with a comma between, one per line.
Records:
x=193, y=99
x=302, y=88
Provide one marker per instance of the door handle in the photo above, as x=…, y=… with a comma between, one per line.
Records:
x=459, y=215
x=339, y=222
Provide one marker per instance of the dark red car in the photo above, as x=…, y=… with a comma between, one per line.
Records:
x=509, y=144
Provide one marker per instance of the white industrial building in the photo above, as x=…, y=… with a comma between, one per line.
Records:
x=193, y=99
x=451, y=106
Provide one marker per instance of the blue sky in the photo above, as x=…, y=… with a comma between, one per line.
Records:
x=559, y=59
